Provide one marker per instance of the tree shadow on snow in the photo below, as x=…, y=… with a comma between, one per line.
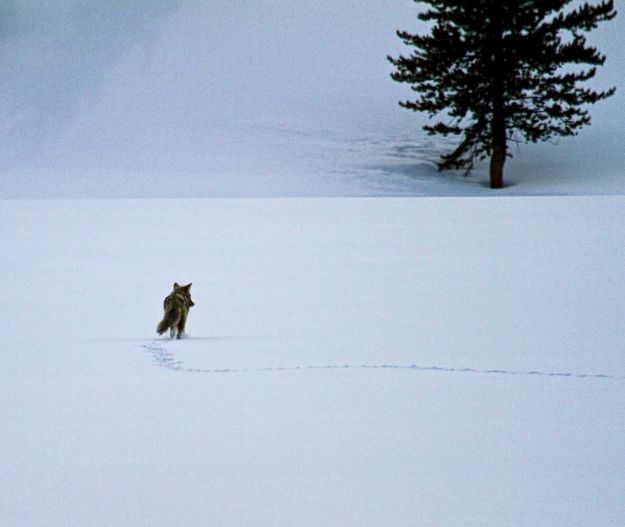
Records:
x=419, y=179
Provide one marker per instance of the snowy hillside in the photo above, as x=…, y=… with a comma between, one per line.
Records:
x=358, y=362
x=185, y=99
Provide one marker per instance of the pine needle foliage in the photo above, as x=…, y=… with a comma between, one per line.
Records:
x=495, y=71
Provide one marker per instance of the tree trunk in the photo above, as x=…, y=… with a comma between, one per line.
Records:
x=498, y=125
x=499, y=148
x=497, y=161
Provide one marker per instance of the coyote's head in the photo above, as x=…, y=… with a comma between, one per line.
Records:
x=184, y=290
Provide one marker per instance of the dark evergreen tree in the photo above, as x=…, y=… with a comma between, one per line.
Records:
x=499, y=69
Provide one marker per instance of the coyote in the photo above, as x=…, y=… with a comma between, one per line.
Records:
x=176, y=306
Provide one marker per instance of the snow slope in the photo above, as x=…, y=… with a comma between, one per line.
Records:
x=187, y=99
x=358, y=362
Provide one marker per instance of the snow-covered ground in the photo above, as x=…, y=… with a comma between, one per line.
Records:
x=350, y=362
x=357, y=356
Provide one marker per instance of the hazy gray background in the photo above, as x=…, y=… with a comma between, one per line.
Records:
x=165, y=98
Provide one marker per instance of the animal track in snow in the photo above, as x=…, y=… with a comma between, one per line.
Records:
x=166, y=359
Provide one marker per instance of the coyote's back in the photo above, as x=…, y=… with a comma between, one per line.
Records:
x=176, y=306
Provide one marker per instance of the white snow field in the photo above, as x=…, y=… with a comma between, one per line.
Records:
x=357, y=356
x=349, y=362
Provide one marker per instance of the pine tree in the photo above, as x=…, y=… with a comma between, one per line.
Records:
x=498, y=70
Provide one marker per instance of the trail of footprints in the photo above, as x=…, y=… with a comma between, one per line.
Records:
x=165, y=358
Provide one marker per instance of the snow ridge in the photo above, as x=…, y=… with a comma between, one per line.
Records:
x=166, y=358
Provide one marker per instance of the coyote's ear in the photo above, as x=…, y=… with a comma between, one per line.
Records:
x=188, y=286
x=176, y=286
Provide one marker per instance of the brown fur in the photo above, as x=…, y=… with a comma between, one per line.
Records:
x=176, y=306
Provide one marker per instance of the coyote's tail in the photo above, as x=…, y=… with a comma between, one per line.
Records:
x=171, y=315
